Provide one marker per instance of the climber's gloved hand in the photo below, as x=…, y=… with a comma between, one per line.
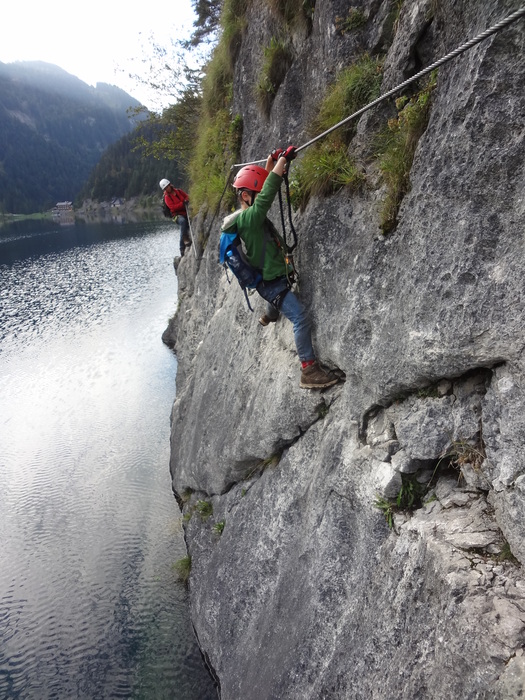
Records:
x=290, y=153
x=276, y=154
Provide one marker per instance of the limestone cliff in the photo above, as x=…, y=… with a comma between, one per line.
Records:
x=299, y=587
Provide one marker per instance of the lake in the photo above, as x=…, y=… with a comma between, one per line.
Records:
x=90, y=604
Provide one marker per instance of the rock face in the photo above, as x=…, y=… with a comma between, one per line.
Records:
x=299, y=588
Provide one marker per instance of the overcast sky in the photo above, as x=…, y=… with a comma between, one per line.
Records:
x=100, y=41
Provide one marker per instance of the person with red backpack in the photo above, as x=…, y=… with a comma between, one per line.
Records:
x=176, y=201
x=256, y=189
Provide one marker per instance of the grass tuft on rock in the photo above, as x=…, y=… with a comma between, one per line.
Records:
x=397, y=147
x=327, y=166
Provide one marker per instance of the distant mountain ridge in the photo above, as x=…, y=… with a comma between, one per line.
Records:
x=53, y=131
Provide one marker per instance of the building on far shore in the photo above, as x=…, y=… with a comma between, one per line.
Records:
x=63, y=206
x=63, y=213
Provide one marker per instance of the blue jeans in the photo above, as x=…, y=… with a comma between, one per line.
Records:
x=295, y=312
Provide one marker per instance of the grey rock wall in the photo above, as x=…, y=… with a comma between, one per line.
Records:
x=307, y=593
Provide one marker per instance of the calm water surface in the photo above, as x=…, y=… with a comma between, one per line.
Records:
x=89, y=529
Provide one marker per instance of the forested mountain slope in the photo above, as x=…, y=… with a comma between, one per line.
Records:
x=122, y=171
x=53, y=130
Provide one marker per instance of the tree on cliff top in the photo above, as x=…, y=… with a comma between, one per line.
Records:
x=207, y=23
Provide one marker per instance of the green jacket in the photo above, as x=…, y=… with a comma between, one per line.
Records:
x=258, y=233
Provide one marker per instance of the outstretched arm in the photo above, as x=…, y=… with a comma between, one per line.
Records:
x=280, y=166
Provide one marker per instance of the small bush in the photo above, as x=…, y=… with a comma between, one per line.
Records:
x=186, y=495
x=217, y=84
x=322, y=410
x=295, y=13
x=182, y=568
x=397, y=147
x=354, y=87
x=387, y=508
x=216, y=148
x=277, y=59
x=411, y=493
x=355, y=19
x=233, y=24
x=463, y=452
x=271, y=461
x=218, y=135
x=219, y=527
x=204, y=508
x=507, y=555
x=326, y=166
x=323, y=171
x=409, y=498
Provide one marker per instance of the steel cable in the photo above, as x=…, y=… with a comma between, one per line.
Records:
x=448, y=57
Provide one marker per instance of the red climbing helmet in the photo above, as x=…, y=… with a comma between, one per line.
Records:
x=251, y=177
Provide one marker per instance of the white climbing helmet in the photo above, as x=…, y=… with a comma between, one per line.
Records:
x=164, y=183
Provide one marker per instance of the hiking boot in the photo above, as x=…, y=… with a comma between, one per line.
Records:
x=315, y=377
x=265, y=320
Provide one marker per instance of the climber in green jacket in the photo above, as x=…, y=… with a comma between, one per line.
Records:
x=256, y=189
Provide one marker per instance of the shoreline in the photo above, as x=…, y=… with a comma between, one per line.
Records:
x=118, y=210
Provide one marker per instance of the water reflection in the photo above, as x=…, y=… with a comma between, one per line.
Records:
x=89, y=530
